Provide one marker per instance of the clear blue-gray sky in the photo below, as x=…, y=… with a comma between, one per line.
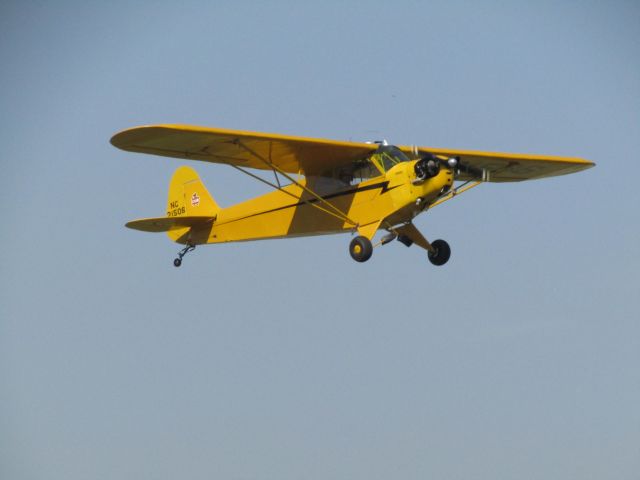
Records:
x=286, y=359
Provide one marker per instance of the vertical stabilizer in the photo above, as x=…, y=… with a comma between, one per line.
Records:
x=188, y=197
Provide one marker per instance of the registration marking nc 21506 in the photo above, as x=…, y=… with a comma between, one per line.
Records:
x=175, y=209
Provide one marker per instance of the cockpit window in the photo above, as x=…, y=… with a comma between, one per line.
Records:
x=365, y=169
x=387, y=156
x=376, y=164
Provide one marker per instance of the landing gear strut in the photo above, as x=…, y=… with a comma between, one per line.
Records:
x=178, y=261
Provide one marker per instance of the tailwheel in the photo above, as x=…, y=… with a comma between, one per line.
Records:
x=360, y=249
x=440, y=253
x=178, y=261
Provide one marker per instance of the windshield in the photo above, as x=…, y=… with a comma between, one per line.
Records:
x=376, y=164
x=387, y=156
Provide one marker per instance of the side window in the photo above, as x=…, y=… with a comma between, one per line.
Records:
x=381, y=161
x=364, y=170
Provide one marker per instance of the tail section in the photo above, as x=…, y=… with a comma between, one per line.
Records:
x=191, y=210
x=189, y=199
x=188, y=196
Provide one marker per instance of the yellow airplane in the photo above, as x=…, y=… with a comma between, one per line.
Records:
x=321, y=186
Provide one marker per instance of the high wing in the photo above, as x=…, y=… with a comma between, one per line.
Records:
x=307, y=156
x=319, y=157
x=507, y=167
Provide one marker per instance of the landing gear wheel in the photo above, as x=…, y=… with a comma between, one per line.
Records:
x=441, y=252
x=360, y=249
x=189, y=248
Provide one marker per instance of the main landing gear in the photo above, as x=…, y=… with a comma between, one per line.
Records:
x=178, y=261
x=438, y=251
x=360, y=249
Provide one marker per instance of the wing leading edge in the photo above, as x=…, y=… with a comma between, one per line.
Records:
x=308, y=156
x=509, y=167
x=316, y=157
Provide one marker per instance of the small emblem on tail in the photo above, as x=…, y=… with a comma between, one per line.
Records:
x=195, y=200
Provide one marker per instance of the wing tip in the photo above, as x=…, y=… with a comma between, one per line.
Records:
x=122, y=139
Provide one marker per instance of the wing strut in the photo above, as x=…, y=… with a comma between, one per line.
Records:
x=468, y=185
x=277, y=187
x=336, y=211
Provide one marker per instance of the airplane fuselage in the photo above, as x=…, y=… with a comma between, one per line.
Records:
x=386, y=200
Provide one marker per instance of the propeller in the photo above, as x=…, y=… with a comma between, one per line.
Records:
x=429, y=166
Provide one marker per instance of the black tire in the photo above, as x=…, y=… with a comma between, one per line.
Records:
x=177, y=262
x=360, y=249
x=441, y=252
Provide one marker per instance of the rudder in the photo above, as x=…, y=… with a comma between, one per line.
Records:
x=188, y=196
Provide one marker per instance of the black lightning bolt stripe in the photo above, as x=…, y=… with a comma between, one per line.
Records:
x=384, y=186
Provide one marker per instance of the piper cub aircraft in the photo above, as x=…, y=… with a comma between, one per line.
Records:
x=320, y=186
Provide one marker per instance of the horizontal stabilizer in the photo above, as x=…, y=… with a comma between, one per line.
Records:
x=165, y=224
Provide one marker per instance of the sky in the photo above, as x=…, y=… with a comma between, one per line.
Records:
x=286, y=359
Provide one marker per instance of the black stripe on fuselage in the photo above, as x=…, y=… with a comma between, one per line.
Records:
x=382, y=185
